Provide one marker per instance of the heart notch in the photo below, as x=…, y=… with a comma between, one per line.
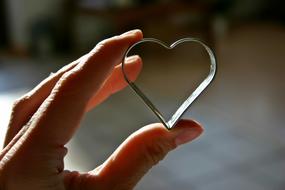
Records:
x=190, y=99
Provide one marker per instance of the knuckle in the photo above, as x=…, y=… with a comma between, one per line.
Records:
x=105, y=44
x=66, y=81
x=157, y=150
x=99, y=47
x=20, y=103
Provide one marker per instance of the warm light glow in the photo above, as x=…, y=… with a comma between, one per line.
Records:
x=6, y=102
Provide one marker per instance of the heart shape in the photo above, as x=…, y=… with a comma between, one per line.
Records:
x=185, y=105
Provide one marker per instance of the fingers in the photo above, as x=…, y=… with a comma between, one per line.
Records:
x=61, y=112
x=142, y=150
x=116, y=81
x=27, y=105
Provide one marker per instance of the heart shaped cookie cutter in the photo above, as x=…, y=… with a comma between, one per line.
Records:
x=185, y=105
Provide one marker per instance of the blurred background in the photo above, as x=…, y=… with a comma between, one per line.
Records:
x=243, y=146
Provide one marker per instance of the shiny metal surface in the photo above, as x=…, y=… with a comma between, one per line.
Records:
x=193, y=96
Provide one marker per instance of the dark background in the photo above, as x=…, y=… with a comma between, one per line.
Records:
x=243, y=146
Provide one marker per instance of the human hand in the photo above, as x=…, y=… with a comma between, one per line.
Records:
x=45, y=119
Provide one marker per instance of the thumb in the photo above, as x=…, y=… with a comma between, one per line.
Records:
x=142, y=150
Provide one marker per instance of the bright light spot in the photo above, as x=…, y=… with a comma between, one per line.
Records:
x=6, y=101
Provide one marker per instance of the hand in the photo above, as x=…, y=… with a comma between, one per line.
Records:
x=45, y=119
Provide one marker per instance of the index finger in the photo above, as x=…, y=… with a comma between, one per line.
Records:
x=58, y=117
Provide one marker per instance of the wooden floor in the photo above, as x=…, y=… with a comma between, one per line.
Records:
x=243, y=146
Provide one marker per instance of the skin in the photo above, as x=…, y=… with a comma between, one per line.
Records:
x=34, y=148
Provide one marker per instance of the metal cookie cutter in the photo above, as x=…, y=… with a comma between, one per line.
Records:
x=186, y=104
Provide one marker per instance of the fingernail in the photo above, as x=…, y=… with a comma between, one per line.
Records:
x=187, y=134
x=131, y=32
x=132, y=58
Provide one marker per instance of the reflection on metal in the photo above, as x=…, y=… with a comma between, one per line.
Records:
x=185, y=105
